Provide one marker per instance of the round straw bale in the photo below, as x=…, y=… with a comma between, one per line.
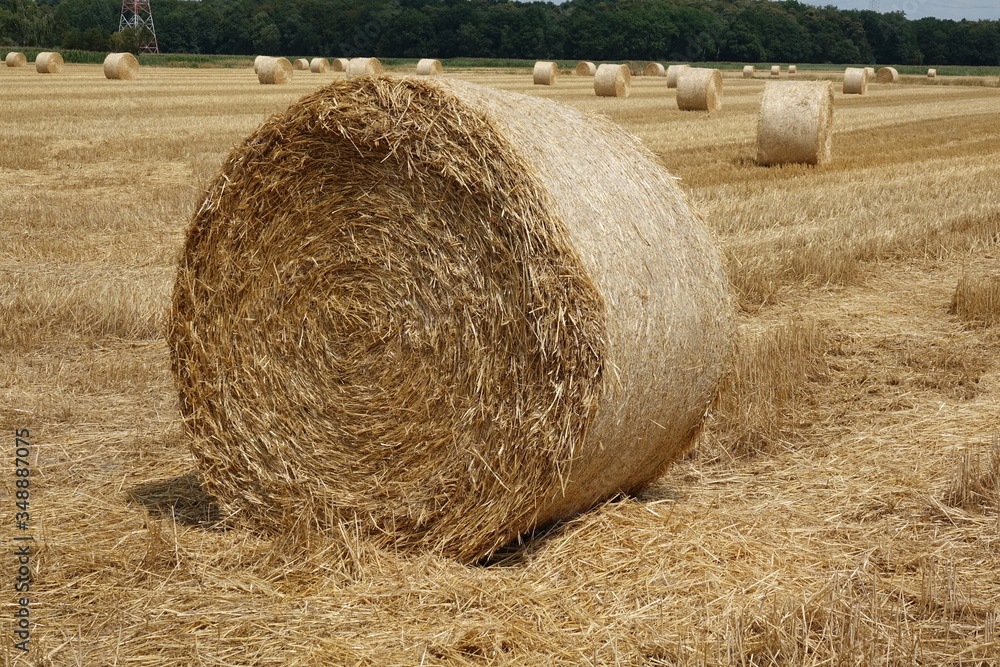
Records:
x=257, y=61
x=673, y=71
x=749, y=71
x=887, y=75
x=319, y=65
x=545, y=73
x=871, y=73
x=48, y=62
x=654, y=69
x=792, y=69
x=274, y=71
x=340, y=64
x=931, y=73
x=364, y=67
x=121, y=66
x=855, y=81
x=612, y=81
x=775, y=70
x=795, y=123
x=397, y=310
x=699, y=89
x=300, y=64
x=15, y=59
x=586, y=68
x=429, y=67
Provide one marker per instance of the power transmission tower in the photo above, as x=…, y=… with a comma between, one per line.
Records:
x=873, y=5
x=137, y=14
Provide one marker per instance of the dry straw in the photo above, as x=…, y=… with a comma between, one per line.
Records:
x=300, y=64
x=795, y=123
x=931, y=73
x=887, y=75
x=674, y=71
x=340, y=64
x=654, y=69
x=749, y=71
x=699, y=89
x=319, y=65
x=612, y=81
x=855, y=81
x=586, y=68
x=274, y=71
x=397, y=310
x=48, y=62
x=871, y=73
x=792, y=69
x=364, y=67
x=429, y=67
x=545, y=73
x=121, y=66
x=15, y=59
x=977, y=299
x=257, y=61
x=775, y=70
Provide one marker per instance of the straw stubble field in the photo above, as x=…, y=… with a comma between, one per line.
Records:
x=841, y=507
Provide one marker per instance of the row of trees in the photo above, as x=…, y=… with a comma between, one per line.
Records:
x=677, y=30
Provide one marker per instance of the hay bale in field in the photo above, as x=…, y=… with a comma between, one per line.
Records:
x=612, y=81
x=887, y=75
x=871, y=73
x=15, y=59
x=775, y=70
x=855, y=81
x=673, y=71
x=699, y=89
x=364, y=67
x=931, y=73
x=429, y=67
x=545, y=73
x=121, y=66
x=300, y=65
x=749, y=71
x=654, y=69
x=795, y=123
x=792, y=69
x=274, y=71
x=340, y=64
x=319, y=65
x=397, y=309
x=48, y=62
x=586, y=68
x=257, y=61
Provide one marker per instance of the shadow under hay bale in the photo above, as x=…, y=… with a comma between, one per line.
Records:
x=181, y=498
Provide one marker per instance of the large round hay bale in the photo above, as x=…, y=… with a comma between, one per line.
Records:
x=274, y=71
x=887, y=75
x=654, y=69
x=319, y=65
x=792, y=69
x=699, y=89
x=871, y=73
x=300, y=65
x=397, y=309
x=931, y=73
x=121, y=66
x=15, y=59
x=364, y=67
x=673, y=71
x=795, y=123
x=855, y=81
x=545, y=73
x=48, y=62
x=612, y=81
x=586, y=68
x=340, y=64
x=429, y=67
x=257, y=61
x=749, y=71
x=775, y=70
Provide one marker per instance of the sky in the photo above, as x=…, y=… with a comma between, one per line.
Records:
x=918, y=9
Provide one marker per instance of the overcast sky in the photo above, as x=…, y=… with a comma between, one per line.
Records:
x=917, y=9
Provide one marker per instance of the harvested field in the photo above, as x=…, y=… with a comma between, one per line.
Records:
x=840, y=507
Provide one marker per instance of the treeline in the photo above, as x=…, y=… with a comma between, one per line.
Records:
x=665, y=30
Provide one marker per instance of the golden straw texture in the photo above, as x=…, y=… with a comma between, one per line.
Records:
x=545, y=73
x=775, y=70
x=341, y=64
x=364, y=67
x=699, y=89
x=795, y=123
x=121, y=66
x=673, y=71
x=398, y=310
x=977, y=299
x=319, y=65
x=654, y=69
x=749, y=71
x=871, y=73
x=887, y=75
x=612, y=81
x=300, y=65
x=429, y=67
x=257, y=61
x=931, y=73
x=48, y=62
x=855, y=81
x=15, y=59
x=586, y=68
x=274, y=71
x=792, y=69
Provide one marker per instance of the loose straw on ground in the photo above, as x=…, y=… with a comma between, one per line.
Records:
x=121, y=66
x=586, y=68
x=855, y=81
x=429, y=67
x=699, y=89
x=545, y=73
x=340, y=64
x=395, y=310
x=612, y=81
x=48, y=62
x=319, y=65
x=795, y=123
x=887, y=75
x=364, y=67
x=274, y=71
x=15, y=59
x=673, y=71
x=654, y=69
x=749, y=71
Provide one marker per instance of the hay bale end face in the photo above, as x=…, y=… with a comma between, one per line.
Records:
x=364, y=67
x=855, y=81
x=673, y=71
x=15, y=59
x=654, y=69
x=545, y=73
x=699, y=89
x=121, y=66
x=319, y=65
x=887, y=75
x=586, y=68
x=48, y=62
x=397, y=309
x=274, y=71
x=749, y=71
x=429, y=67
x=795, y=123
x=931, y=73
x=257, y=61
x=340, y=64
x=612, y=81
x=775, y=70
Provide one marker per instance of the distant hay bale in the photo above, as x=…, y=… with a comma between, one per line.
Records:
x=274, y=71
x=792, y=69
x=545, y=73
x=775, y=70
x=364, y=67
x=871, y=73
x=887, y=75
x=612, y=81
x=699, y=89
x=795, y=123
x=340, y=64
x=319, y=65
x=48, y=62
x=121, y=66
x=586, y=68
x=654, y=69
x=673, y=71
x=855, y=81
x=398, y=310
x=429, y=67
x=300, y=65
x=977, y=299
x=15, y=59
x=749, y=71
x=931, y=73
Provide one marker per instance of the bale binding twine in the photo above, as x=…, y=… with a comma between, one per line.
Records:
x=48, y=62
x=396, y=310
x=795, y=123
x=121, y=66
x=612, y=81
